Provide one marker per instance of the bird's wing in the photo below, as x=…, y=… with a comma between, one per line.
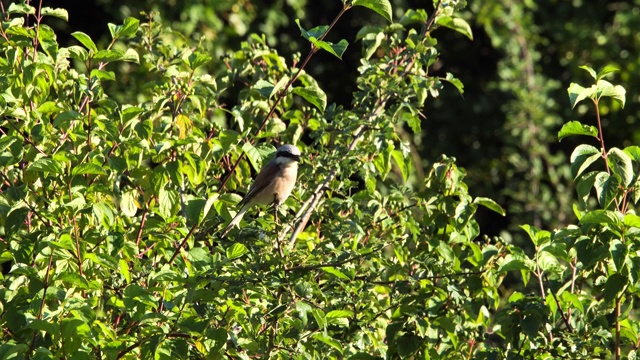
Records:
x=264, y=178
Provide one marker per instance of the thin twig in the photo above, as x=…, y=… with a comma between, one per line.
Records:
x=175, y=254
x=553, y=293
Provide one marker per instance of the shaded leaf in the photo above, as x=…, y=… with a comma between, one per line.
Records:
x=614, y=285
x=620, y=164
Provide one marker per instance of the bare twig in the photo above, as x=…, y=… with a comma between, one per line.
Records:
x=564, y=318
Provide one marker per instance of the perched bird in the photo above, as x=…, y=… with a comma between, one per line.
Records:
x=273, y=185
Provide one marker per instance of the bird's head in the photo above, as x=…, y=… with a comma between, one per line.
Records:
x=287, y=154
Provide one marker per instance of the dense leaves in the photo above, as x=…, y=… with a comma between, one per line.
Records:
x=111, y=209
x=121, y=160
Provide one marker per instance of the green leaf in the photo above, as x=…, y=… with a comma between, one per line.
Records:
x=23, y=9
x=253, y=155
x=607, y=70
x=131, y=56
x=584, y=185
x=129, y=203
x=632, y=220
x=124, y=270
x=614, y=285
x=511, y=264
x=605, y=88
x=335, y=272
x=413, y=17
x=489, y=204
x=126, y=30
x=7, y=140
x=108, y=55
x=455, y=82
x=583, y=156
x=198, y=59
x=537, y=236
x=335, y=49
x=607, y=188
x=52, y=329
x=620, y=164
x=73, y=279
x=336, y=314
x=168, y=202
x=402, y=163
x=413, y=120
x=574, y=128
x=634, y=152
x=210, y=201
x=103, y=75
x=15, y=219
x=236, y=250
x=530, y=325
x=578, y=93
x=45, y=165
x=382, y=7
x=319, y=317
x=574, y=300
x=59, y=13
x=85, y=40
x=314, y=95
x=88, y=168
x=329, y=341
x=264, y=88
x=78, y=53
x=590, y=71
x=600, y=217
x=618, y=253
x=455, y=23
x=317, y=32
x=47, y=38
x=73, y=332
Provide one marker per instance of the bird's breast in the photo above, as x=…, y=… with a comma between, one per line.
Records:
x=280, y=188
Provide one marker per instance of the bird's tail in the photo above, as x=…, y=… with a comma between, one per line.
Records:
x=235, y=221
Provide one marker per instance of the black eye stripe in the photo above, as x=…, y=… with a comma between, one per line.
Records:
x=287, y=155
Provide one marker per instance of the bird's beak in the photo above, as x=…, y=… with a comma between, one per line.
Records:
x=296, y=158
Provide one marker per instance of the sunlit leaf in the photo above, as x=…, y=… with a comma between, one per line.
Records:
x=382, y=7
x=573, y=128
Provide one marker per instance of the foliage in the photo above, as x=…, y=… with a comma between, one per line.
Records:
x=111, y=208
x=587, y=273
x=122, y=158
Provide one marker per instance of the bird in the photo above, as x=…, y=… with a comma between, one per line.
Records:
x=273, y=185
